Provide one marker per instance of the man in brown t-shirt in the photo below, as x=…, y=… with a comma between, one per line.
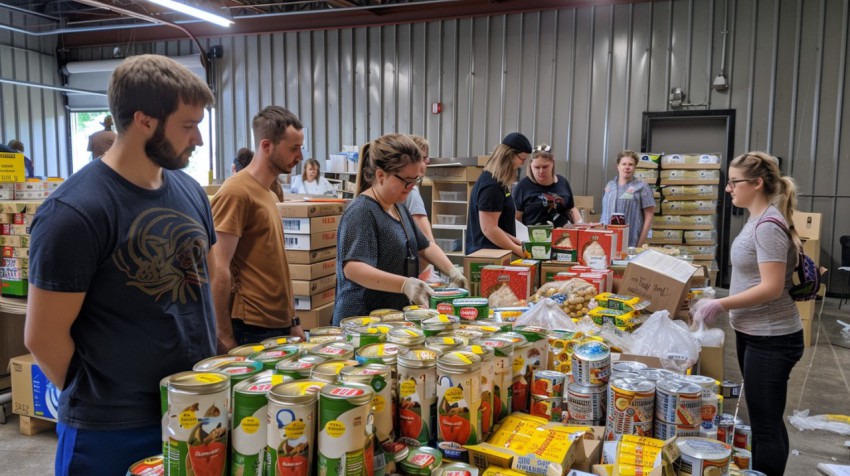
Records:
x=251, y=287
x=101, y=141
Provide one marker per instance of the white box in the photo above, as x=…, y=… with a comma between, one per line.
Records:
x=442, y=219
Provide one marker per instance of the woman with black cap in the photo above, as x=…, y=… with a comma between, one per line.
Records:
x=491, y=219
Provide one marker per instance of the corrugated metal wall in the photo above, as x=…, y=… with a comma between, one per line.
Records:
x=576, y=78
x=34, y=116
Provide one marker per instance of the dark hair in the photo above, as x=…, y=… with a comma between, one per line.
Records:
x=154, y=85
x=308, y=163
x=390, y=153
x=243, y=158
x=628, y=153
x=17, y=145
x=272, y=122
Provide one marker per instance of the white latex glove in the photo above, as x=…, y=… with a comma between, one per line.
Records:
x=417, y=291
x=708, y=311
x=457, y=279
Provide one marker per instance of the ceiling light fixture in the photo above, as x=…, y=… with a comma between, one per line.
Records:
x=195, y=12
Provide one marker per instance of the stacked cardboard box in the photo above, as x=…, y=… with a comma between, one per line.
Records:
x=690, y=185
x=808, y=226
x=15, y=220
x=648, y=170
x=310, y=230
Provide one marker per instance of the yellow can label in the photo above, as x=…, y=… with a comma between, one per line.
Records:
x=188, y=419
x=295, y=429
x=335, y=428
x=454, y=395
x=250, y=425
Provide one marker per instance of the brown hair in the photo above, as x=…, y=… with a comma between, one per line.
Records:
x=422, y=143
x=540, y=153
x=154, y=85
x=243, y=158
x=501, y=165
x=17, y=145
x=628, y=153
x=390, y=153
x=781, y=191
x=271, y=123
x=314, y=163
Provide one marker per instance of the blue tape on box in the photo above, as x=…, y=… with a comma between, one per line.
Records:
x=45, y=395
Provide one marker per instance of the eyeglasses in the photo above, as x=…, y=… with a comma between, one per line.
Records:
x=543, y=148
x=410, y=183
x=731, y=183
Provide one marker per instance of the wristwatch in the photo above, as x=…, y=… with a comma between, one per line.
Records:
x=296, y=321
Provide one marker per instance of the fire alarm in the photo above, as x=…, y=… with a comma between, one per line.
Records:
x=436, y=108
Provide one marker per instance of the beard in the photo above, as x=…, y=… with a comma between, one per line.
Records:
x=163, y=154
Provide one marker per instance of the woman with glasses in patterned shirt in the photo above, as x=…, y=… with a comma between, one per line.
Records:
x=544, y=197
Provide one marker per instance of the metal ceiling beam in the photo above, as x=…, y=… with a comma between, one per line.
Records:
x=18, y=9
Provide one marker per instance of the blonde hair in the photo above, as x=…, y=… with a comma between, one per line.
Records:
x=628, y=153
x=314, y=163
x=539, y=153
x=501, y=165
x=422, y=143
x=781, y=190
x=390, y=153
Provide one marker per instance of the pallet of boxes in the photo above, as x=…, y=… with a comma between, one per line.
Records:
x=310, y=232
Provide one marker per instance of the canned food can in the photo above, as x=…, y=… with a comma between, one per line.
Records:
x=624, y=366
x=710, y=407
x=417, y=396
x=388, y=315
x=585, y=403
x=386, y=354
x=726, y=424
x=291, y=429
x=270, y=357
x=471, y=308
x=537, y=356
x=700, y=456
x=326, y=339
x=294, y=369
x=486, y=330
x=246, y=350
x=519, y=385
x=279, y=341
x=328, y=372
x=631, y=408
x=324, y=331
x=743, y=458
x=488, y=371
x=153, y=466
x=442, y=299
x=406, y=336
x=664, y=430
x=363, y=336
x=457, y=469
x=708, y=429
x=358, y=321
x=730, y=389
x=442, y=344
x=591, y=363
x=250, y=414
x=421, y=461
x=743, y=438
x=211, y=363
x=164, y=416
x=710, y=387
x=464, y=335
x=378, y=378
x=502, y=376
x=458, y=403
x=334, y=351
x=345, y=439
x=547, y=383
x=198, y=423
x=546, y=407
x=441, y=323
x=417, y=314
x=678, y=402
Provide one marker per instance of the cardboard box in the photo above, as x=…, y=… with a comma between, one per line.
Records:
x=473, y=263
x=314, y=301
x=11, y=336
x=32, y=394
x=313, y=241
x=534, y=266
x=548, y=270
x=589, y=449
x=307, y=288
x=319, y=317
x=808, y=225
x=658, y=278
x=309, y=272
x=453, y=173
x=565, y=238
x=309, y=209
x=711, y=362
x=310, y=256
x=310, y=225
x=622, y=232
x=517, y=279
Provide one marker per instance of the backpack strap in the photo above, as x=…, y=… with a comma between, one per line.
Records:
x=801, y=273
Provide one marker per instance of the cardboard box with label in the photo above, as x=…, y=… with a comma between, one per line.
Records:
x=473, y=263
x=307, y=288
x=660, y=279
x=319, y=317
x=309, y=209
x=313, y=241
x=32, y=394
x=313, y=301
x=310, y=225
x=310, y=256
x=309, y=272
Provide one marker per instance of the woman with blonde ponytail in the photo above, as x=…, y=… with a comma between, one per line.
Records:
x=768, y=330
x=379, y=245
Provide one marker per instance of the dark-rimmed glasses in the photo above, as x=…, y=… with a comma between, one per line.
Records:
x=731, y=183
x=409, y=183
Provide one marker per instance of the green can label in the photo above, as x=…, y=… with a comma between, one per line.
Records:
x=250, y=408
x=197, y=429
x=345, y=444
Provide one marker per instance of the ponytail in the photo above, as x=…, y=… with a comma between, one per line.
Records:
x=364, y=175
x=785, y=200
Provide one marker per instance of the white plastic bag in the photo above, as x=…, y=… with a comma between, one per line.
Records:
x=835, y=423
x=616, y=338
x=669, y=341
x=548, y=315
x=707, y=337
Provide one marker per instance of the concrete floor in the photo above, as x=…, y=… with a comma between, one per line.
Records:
x=819, y=383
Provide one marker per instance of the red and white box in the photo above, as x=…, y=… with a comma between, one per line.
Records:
x=597, y=248
x=503, y=279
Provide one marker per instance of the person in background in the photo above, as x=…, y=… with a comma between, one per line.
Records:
x=131, y=304
x=101, y=141
x=378, y=243
x=414, y=202
x=251, y=285
x=768, y=330
x=544, y=196
x=18, y=146
x=242, y=159
x=311, y=182
x=631, y=197
x=491, y=221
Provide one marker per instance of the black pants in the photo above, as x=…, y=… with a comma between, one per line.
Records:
x=248, y=334
x=766, y=364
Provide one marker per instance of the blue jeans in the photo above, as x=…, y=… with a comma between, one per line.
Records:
x=766, y=364
x=248, y=334
x=86, y=452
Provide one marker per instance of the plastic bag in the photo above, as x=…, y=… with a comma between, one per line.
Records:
x=835, y=423
x=707, y=337
x=548, y=315
x=573, y=295
x=586, y=326
x=668, y=340
x=619, y=341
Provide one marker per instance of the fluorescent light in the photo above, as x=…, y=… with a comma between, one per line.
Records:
x=195, y=12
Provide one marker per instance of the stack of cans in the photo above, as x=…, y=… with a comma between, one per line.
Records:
x=591, y=370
